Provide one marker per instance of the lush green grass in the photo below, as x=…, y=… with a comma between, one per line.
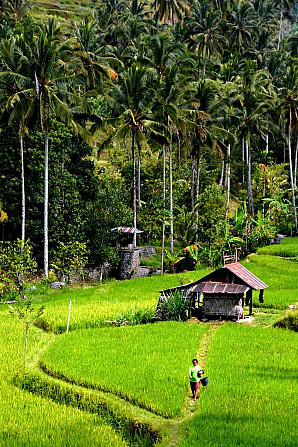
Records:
x=26, y=419
x=146, y=365
x=252, y=396
x=281, y=277
x=287, y=248
x=92, y=306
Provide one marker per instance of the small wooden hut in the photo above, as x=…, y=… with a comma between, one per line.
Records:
x=221, y=294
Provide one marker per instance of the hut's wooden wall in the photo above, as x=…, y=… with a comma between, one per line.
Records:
x=219, y=305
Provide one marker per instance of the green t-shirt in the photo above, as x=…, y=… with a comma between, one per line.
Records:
x=193, y=372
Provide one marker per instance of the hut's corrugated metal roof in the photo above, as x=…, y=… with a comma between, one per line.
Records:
x=219, y=287
x=127, y=230
x=246, y=276
x=236, y=269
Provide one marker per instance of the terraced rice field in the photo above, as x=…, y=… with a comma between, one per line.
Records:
x=128, y=386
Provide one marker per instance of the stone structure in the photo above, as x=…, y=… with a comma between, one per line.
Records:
x=130, y=259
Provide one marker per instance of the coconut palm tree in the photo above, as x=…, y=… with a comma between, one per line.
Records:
x=283, y=5
x=44, y=62
x=130, y=103
x=203, y=29
x=288, y=106
x=89, y=48
x=255, y=98
x=174, y=104
x=15, y=105
x=243, y=26
x=169, y=10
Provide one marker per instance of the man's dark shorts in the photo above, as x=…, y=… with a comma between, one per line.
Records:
x=194, y=386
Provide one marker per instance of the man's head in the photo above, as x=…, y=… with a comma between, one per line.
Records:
x=195, y=362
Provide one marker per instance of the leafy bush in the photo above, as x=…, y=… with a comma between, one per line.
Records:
x=136, y=316
x=69, y=260
x=16, y=265
x=173, y=307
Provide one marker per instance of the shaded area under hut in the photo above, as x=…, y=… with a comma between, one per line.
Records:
x=220, y=294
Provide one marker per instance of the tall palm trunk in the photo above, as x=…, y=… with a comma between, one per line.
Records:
x=139, y=174
x=221, y=180
x=23, y=186
x=243, y=158
x=296, y=165
x=164, y=198
x=198, y=173
x=280, y=26
x=46, y=202
x=228, y=178
x=134, y=192
x=291, y=170
x=171, y=198
x=249, y=187
x=193, y=175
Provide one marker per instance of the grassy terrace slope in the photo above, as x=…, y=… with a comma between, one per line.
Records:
x=144, y=364
x=65, y=10
x=27, y=419
x=92, y=306
x=251, y=399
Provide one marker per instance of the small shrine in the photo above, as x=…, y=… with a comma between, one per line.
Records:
x=129, y=254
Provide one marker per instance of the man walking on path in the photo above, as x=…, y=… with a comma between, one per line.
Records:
x=194, y=377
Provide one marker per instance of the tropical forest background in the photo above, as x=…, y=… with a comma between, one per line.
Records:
x=175, y=117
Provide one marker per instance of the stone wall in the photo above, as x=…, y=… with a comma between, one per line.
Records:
x=130, y=260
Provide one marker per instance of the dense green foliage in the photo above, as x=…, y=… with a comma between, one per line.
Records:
x=190, y=111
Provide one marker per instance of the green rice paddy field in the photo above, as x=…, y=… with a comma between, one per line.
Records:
x=136, y=376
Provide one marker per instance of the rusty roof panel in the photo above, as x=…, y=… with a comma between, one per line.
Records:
x=126, y=230
x=220, y=288
x=246, y=276
x=214, y=287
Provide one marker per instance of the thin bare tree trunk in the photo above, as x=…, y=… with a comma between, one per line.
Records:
x=46, y=204
x=178, y=146
x=228, y=178
x=296, y=164
x=139, y=174
x=198, y=171
x=171, y=199
x=291, y=170
x=23, y=187
x=164, y=198
x=192, y=191
x=134, y=192
x=222, y=172
x=280, y=26
x=249, y=188
x=243, y=159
